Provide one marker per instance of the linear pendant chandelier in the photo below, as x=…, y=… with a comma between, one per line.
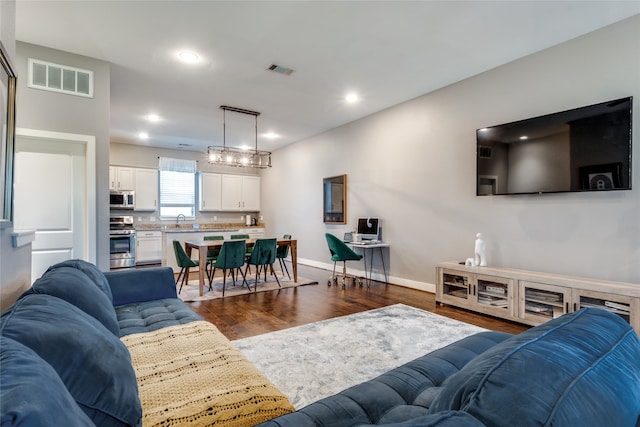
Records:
x=231, y=156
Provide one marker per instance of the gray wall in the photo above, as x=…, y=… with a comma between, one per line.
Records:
x=56, y=112
x=413, y=166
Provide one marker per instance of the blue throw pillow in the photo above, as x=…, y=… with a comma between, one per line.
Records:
x=91, y=271
x=580, y=369
x=94, y=365
x=73, y=286
x=31, y=392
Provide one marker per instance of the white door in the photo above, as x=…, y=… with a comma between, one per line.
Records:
x=51, y=198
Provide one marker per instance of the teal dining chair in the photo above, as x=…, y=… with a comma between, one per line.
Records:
x=340, y=252
x=212, y=255
x=245, y=237
x=262, y=257
x=282, y=252
x=184, y=262
x=231, y=257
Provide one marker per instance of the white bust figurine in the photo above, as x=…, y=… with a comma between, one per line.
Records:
x=480, y=251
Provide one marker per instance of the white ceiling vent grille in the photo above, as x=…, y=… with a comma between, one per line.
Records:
x=280, y=69
x=485, y=151
x=60, y=78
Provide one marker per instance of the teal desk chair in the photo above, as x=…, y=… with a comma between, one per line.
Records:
x=282, y=252
x=263, y=256
x=212, y=255
x=184, y=262
x=231, y=257
x=340, y=252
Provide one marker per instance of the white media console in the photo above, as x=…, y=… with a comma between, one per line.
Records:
x=532, y=297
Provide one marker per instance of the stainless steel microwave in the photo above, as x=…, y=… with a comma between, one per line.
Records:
x=121, y=200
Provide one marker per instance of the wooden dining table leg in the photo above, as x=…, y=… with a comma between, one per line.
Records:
x=294, y=259
x=202, y=261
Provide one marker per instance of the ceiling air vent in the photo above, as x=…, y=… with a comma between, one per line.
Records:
x=280, y=69
x=60, y=78
x=485, y=151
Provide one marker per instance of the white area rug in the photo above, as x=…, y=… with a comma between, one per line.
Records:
x=313, y=361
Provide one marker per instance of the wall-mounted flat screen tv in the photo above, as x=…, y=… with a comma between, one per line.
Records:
x=584, y=149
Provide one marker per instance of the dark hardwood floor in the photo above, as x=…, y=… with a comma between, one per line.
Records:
x=253, y=314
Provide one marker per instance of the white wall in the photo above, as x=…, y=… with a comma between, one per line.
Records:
x=413, y=165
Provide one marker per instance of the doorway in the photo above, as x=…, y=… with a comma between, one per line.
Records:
x=55, y=196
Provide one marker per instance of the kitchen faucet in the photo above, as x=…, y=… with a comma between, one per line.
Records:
x=178, y=218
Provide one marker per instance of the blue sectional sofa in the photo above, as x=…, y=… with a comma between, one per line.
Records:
x=582, y=369
x=84, y=348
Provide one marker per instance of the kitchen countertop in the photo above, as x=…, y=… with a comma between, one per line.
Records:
x=188, y=227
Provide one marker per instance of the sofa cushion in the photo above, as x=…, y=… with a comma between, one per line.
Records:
x=94, y=365
x=91, y=271
x=32, y=393
x=579, y=369
x=441, y=419
x=75, y=287
x=153, y=315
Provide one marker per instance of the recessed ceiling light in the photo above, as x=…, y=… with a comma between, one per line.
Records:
x=524, y=137
x=271, y=135
x=153, y=118
x=351, y=98
x=143, y=135
x=188, y=57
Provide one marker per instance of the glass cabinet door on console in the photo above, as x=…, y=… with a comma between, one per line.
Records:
x=624, y=306
x=489, y=294
x=496, y=295
x=455, y=288
x=541, y=302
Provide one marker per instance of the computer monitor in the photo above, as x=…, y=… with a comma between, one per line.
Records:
x=368, y=228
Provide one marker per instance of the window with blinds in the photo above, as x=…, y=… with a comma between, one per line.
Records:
x=177, y=188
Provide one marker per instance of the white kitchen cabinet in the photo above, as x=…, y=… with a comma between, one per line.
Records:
x=121, y=178
x=148, y=247
x=251, y=193
x=146, y=190
x=240, y=193
x=210, y=192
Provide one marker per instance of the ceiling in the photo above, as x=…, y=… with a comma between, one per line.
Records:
x=385, y=51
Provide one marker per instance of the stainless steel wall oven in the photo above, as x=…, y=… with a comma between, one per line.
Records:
x=122, y=242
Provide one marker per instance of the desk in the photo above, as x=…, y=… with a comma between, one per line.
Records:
x=203, y=245
x=369, y=247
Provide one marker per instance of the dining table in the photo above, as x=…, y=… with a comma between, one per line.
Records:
x=204, y=245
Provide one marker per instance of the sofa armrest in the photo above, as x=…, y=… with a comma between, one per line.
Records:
x=142, y=284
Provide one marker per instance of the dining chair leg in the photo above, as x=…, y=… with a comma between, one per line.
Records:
x=265, y=272
x=224, y=281
x=283, y=267
x=178, y=280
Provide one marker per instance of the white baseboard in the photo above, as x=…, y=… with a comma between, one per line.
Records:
x=414, y=284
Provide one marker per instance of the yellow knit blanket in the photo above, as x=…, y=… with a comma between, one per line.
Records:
x=192, y=375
